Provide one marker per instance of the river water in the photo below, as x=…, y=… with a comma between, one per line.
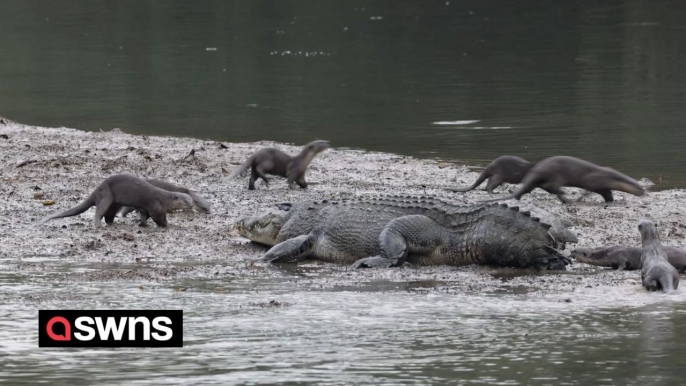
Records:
x=393, y=333
x=462, y=81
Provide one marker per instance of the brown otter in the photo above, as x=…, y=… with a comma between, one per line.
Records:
x=656, y=272
x=625, y=258
x=199, y=203
x=507, y=168
x=553, y=173
x=126, y=190
x=274, y=161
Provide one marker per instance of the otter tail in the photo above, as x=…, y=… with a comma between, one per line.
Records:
x=510, y=197
x=78, y=209
x=200, y=203
x=529, y=184
x=667, y=283
x=482, y=177
x=244, y=166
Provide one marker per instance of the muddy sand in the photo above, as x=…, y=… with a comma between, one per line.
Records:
x=41, y=165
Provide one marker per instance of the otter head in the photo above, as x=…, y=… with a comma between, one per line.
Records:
x=179, y=201
x=599, y=256
x=648, y=231
x=318, y=146
x=582, y=255
x=264, y=228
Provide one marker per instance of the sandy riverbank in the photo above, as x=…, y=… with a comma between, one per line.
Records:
x=65, y=165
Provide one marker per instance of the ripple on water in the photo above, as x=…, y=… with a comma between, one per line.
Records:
x=337, y=337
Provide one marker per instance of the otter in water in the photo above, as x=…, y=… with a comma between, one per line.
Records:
x=656, y=272
x=507, y=168
x=625, y=258
x=199, y=203
x=123, y=190
x=553, y=173
x=274, y=161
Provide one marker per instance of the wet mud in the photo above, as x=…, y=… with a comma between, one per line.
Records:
x=47, y=170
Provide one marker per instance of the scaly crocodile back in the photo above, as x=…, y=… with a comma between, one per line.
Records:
x=494, y=234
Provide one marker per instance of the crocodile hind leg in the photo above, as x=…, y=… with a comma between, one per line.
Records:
x=291, y=250
x=414, y=233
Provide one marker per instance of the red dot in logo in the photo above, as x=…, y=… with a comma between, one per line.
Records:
x=67, y=329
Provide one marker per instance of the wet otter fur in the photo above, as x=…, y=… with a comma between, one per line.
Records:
x=553, y=173
x=656, y=272
x=625, y=258
x=274, y=161
x=122, y=190
x=507, y=168
x=199, y=203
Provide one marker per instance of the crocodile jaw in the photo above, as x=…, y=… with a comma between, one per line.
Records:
x=262, y=228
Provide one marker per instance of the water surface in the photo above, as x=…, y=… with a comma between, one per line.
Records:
x=599, y=80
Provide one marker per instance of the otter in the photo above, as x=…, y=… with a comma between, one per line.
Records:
x=122, y=190
x=199, y=203
x=507, y=168
x=553, y=173
x=626, y=258
x=656, y=272
x=274, y=161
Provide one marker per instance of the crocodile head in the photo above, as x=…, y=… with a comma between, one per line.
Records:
x=263, y=228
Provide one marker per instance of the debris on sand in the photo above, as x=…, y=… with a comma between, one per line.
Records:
x=94, y=156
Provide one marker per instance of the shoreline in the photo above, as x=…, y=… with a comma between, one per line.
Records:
x=65, y=165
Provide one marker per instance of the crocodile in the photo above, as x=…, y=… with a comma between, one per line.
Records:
x=386, y=231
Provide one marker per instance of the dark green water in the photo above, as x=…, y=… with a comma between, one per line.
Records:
x=602, y=80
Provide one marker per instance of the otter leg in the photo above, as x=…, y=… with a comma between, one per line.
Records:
x=160, y=218
x=253, y=178
x=527, y=187
x=606, y=193
x=111, y=214
x=493, y=182
x=101, y=208
x=261, y=172
x=301, y=181
x=143, y=222
x=291, y=250
x=126, y=210
x=556, y=190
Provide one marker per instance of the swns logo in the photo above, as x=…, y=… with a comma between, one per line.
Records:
x=110, y=328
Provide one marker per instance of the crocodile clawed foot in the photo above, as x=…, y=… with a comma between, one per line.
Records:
x=552, y=264
x=371, y=262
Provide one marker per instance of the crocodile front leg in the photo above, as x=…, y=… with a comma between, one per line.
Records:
x=291, y=250
x=414, y=233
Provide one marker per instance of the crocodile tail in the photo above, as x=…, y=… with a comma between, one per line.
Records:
x=244, y=166
x=78, y=209
x=482, y=177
